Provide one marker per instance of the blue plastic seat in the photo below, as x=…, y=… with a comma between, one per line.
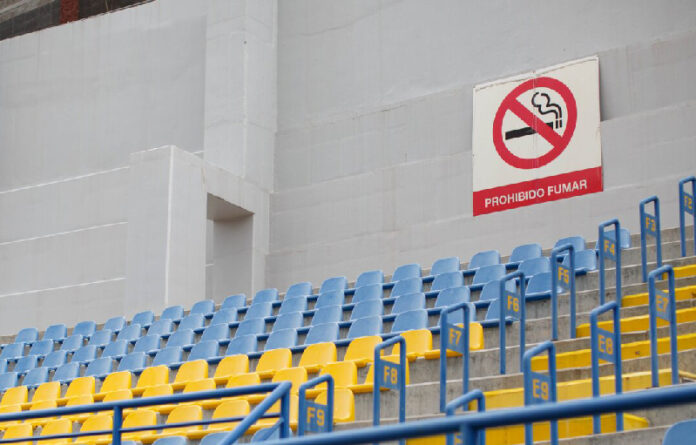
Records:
x=35, y=377
x=367, y=308
x=215, y=438
x=130, y=333
x=204, y=350
x=244, y=344
x=55, y=359
x=299, y=290
x=254, y=326
x=453, y=295
x=114, y=324
x=234, y=302
x=223, y=316
x=68, y=372
x=680, y=433
x=27, y=335
x=259, y=310
x=457, y=316
x=173, y=313
x=85, y=328
x=585, y=261
x=491, y=290
x=216, y=332
x=492, y=314
x=172, y=440
x=41, y=348
x=203, y=307
x=525, y=252
x=265, y=296
x=333, y=284
x=26, y=364
x=409, y=320
x=539, y=286
x=444, y=265
x=134, y=362
x=369, y=292
x=195, y=321
x=8, y=380
x=407, y=286
x=167, y=356
x=55, y=332
x=534, y=266
x=331, y=298
x=85, y=354
x=409, y=302
x=266, y=434
x=486, y=274
x=182, y=337
x=625, y=238
x=147, y=344
x=116, y=349
x=144, y=319
x=100, y=367
x=13, y=351
x=412, y=270
x=283, y=338
x=577, y=242
x=161, y=327
x=485, y=258
x=100, y=338
x=362, y=327
x=294, y=304
x=370, y=277
x=292, y=320
x=72, y=343
x=448, y=279
x=3, y=366
x=322, y=333
x=327, y=314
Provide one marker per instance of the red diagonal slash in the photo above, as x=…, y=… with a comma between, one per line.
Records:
x=534, y=122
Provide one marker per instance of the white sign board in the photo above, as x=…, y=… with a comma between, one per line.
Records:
x=536, y=137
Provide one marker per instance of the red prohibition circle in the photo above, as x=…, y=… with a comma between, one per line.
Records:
x=558, y=142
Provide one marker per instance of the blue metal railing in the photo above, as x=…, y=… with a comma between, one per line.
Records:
x=454, y=338
x=566, y=278
x=313, y=416
x=606, y=346
x=463, y=401
x=650, y=226
x=391, y=376
x=609, y=249
x=662, y=305
x=513, y=304
x=686, y=206
x=540, y=388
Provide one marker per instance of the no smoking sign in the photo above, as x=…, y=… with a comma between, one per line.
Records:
x=536, y=137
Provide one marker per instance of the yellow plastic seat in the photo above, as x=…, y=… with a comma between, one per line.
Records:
x=13, y=401
x=475, y=343
x=121, y=394
x=296, y=376
x=361, y=351
x=19, y=430
x=228, y=408
x=49, y=391
x=418, y=342
x=159, y=391
x=152, y=376
x=139, y=418
x=229, y=367
x=96, y=422
x=202, y=385
x=272, y=361
x=85, y=399
x=116, y=381
x=180, y=414
x=369, y=378
x=45, y=404
x=79, y=387
x=345, y=374
x=275, y=408
x=55, y=427
x=190, y=372
x=344, y=404
x=317, y=355
x=248, y=379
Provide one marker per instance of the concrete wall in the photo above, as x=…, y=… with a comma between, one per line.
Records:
x=373, y=152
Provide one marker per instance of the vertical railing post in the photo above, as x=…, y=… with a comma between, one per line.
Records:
x=650, y=226
x=687, y=206
x=606, y=346
x=463, y=401
x=391, y=376
x=609, y=249
x=117, y=424
x=566, y=278
x=513, y=304
x=540, y=388
x=662, y=305
x=454, y=338
x=314, y=416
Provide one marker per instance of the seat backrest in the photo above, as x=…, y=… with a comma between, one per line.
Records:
x=265, y=296
x=232, y=365
x=168, y=356
x=489, y=273
x=296, y=376
x=243, y=344
x=192, y=370
x=27, y=335
x=367, y=308
x=525, y=252
x=412, y=270
x=67, y=372
x=134, y=361
x=330, y=298
x=333, y=284
x=223, y=316
x=234, y=302
x=318, y=354
x=407, y=286
x=448, y=279
x=56, y=427
x=444, y=265
x=182, y=337
x=259, y=310
x=625, y=241
x=36, y=377
x=274, y=359
x=283, y=338
x=12, y=351
x=266, y=434
x=254, y=326
x=8, y=380
x=365, y=326
x=541, y=283
x=101, y=338
x=458, y=315
x=370, y=277
x=453, y=295
x=181, y=414
x=100, y=367
x=85, y=354
x=680, y=433
x=147, y=343
x=42, y=347
x=292, y=320
x=14, y=395
x=55, y=332
x=213, y=439
x=327, y=314
x=204, y=350
x=55, y=359
x=368, y=292
x=72, y=343
x=534, y=266
x=194, y=321
x=117, y=381
x=203, y=307
x=491, y=290
x=161, y=327
x=131, y=332
x=493, y=312
x=415, y=319
x=293, y=304
x=139, y=418
x=143, y=318
x=578, y=242
x=409, y=302
x=26, y=363
x=344, y=373
x=98, y=422
x=81, y=386
x=216, y=332
x=584, y=260
x=3, y=365
x=362, y=349
x=153, y=376
x=299, y=289
x=174, y=313
x=485, y=258
x=230, y=408
x=326, y=332
x=114, y=324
